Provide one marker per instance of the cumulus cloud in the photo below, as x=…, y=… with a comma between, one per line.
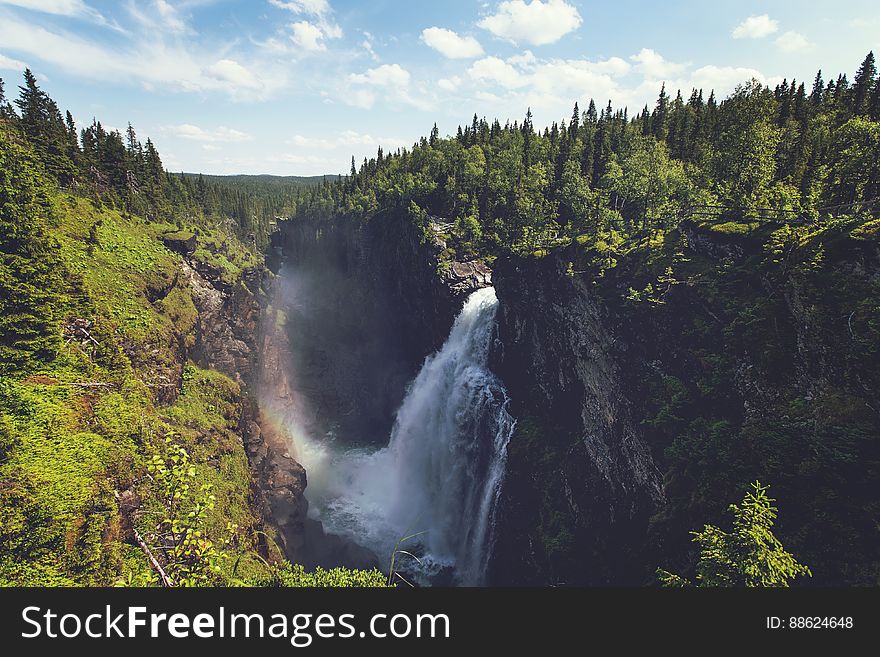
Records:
x=391, y=82
x=555, y=79
x=449, y=84
x=756, y=27
x=497, y=71
x=307, y=36
x=451, y=45
x=535, y=22
x=387, y=75
x=652, y=64
x=220, y=134
x=524, y=59
x=320, y=11
x=792, y=42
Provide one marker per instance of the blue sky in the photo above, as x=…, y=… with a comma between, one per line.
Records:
x=296, y=87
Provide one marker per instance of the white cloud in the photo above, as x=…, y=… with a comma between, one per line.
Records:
x=451, y=45
x=387, y=75
x=307, y=36
x=361, y=98
x=560, y=82
x=551, y=81
x=220, y=134
x=535, y=22
x=152, y=63
x=394, y=82
x=756, y=27
x=9, y=64
x=68, y=8
x=524, y=60
x=652, y=65
x=231, y=72
x=310, y=7
x=492, y=69
x=309, y=142
x=792, y=42
x=864, y=23
x=367, y=44
x=345, y=139
x=449, y=84
x=352, y=138
x=723, y=79
x=320, y=10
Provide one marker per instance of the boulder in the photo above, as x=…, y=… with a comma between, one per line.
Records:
x=182, y=242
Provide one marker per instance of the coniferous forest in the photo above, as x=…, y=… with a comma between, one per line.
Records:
x=689, y=312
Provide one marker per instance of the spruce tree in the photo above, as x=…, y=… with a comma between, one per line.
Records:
x=818, y=89
x=592, y=116
x=875, y=101
x=31, y=276
x=659, y=120
x=749, y=555
x=575, y=124
x=860, y=93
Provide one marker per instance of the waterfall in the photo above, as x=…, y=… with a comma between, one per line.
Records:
x=443, y=468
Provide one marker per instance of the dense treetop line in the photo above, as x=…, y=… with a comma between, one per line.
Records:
x=120, y=170
x=793, y=152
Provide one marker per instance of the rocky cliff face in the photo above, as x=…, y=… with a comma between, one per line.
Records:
x=231, y=338
x=650, y=391
x=581, y=483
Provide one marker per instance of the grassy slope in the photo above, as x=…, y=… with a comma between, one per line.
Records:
x=76, y=445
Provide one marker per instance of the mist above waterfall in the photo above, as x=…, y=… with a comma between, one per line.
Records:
x=442, y=470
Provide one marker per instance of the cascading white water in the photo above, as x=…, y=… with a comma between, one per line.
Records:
x=442, y=471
